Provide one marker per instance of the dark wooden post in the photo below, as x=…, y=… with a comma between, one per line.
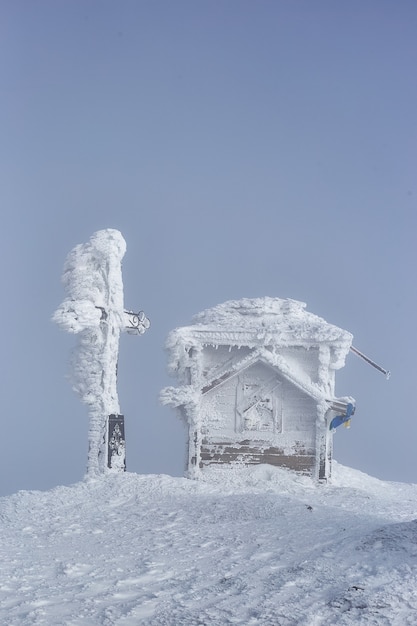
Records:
x=116, y=455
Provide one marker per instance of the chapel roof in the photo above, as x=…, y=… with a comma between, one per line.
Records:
x=257, y=323
x=285, y=319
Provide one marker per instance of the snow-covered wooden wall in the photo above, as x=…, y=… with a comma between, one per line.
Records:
x=257, y=416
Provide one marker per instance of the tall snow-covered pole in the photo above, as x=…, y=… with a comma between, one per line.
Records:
x=94, y=309
x=112, y=246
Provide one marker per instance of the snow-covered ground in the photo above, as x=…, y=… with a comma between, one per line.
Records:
x=248, y=546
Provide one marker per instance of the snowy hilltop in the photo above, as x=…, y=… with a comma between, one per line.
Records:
x=249, y=546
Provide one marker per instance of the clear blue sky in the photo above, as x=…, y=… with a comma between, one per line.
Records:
x=243, y=149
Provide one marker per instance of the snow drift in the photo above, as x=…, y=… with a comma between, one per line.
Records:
x=249, y=547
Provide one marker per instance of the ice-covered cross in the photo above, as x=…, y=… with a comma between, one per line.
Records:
x=94, y=310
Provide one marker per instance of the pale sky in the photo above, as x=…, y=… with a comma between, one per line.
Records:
x=244, y=149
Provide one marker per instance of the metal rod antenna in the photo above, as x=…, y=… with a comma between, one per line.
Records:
x=368, y=360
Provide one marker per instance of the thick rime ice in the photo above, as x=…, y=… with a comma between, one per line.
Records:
x=259, y=322
x=94, y=310
x=235, y=355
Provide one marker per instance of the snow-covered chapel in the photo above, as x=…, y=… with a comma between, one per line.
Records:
x=257, y=385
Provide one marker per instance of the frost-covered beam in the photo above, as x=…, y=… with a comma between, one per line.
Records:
x=368, y=360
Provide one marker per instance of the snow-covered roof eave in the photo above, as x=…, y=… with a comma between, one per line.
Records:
x=178, y=347
x=181, y=342
x=256, y=323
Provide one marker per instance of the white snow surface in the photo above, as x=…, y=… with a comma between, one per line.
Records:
x=248, y=546
x=285, y=317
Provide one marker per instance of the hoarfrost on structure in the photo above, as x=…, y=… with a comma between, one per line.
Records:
x=238, y=364
x=94, y=310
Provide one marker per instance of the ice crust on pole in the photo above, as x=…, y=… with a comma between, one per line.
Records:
x=94, y=310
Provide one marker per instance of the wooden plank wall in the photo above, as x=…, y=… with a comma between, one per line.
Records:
x=253, y=453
